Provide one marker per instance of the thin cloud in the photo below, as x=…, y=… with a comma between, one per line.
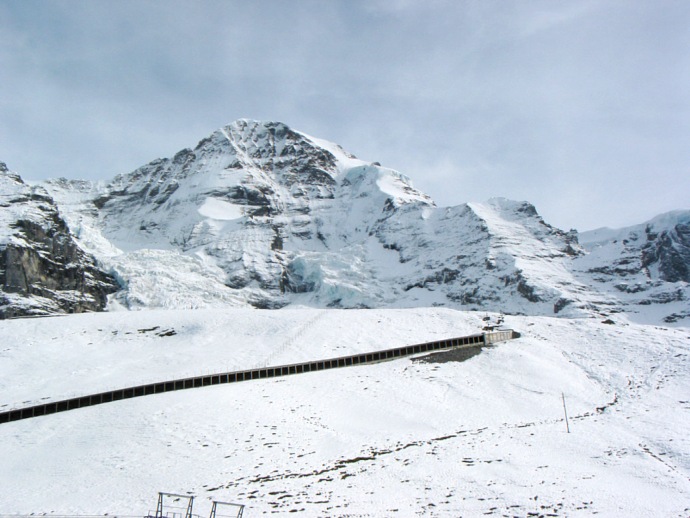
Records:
x=558, y=103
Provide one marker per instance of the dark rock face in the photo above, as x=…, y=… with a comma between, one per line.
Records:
x=42, y=269
x=670, y=250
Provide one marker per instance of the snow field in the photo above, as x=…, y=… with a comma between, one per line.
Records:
x=400, y=438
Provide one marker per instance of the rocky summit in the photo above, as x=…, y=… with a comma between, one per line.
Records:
x=258, y=214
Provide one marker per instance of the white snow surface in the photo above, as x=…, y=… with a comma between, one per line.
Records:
x=399, y=438
x=214, y=208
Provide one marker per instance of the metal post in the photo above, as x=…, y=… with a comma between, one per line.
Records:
x=238, y=507
x=565, y=411
x=159, y=507
x=189, y=507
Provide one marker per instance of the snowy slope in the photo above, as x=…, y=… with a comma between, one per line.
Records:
x=401, y=438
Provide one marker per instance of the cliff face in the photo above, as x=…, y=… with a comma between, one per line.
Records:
x=668, y=250
x=42, y=269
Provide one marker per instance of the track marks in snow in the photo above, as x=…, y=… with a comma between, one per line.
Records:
x=294, y=338
x=661, y=457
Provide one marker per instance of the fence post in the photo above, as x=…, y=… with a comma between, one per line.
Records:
x=565, y=411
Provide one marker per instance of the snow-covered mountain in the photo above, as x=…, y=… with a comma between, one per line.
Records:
x=42, y=269
x=262, y=215
x=646, y=266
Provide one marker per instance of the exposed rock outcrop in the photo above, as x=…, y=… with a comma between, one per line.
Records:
x=42, y=269
x=643, y=265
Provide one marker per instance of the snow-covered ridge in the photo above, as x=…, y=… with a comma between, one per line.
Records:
x=660, y=223
x=260, y=214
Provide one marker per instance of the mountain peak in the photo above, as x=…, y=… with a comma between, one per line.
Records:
x=260, y=214
x=9, y=175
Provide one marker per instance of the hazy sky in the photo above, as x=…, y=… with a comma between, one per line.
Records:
x=580, y=107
